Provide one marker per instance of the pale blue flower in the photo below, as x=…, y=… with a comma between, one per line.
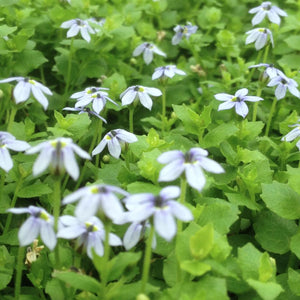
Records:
x=114, y=139
x=8, y=141
x=166, y=71
x=39, y=223
x=25, y=86
x=269, y=72
x=162, y=208
x=89, y=233
x=100, y=22
x=92, y=94
x=191, y=163
x=183, y=31
x=58, y=154
x=237, y=101
x=140, y=92
x=267, y=9
x=147, y=49
x=77, y=25
x=97, y=198
x=293, y=134
x=260, y=37
x=87, y=110
x=283, y=83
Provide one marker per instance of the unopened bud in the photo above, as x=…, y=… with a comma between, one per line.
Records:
x=142, y=297
x=106, y=158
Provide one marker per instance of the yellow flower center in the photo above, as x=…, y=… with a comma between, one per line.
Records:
x=94, y=190
x=44, y=216
x=91, y=227
x=31, y=81
x=141, y=89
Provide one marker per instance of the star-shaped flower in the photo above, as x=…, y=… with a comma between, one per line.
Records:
x=237, y=101
x=270, y=70
x=147, y=49
x=140, y=92
x=25, y=86
x=166, y=71
x=77, y=25
x=260, y=37
x=183, y=31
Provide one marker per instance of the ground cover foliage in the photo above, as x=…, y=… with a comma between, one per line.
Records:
x=237, y=234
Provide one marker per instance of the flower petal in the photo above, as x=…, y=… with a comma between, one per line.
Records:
x=29, y=231
x=164, y=224
x=180, y=211
x=48, y=235
x=195, y=176
x=171, y=171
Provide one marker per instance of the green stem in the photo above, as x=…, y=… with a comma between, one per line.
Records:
x=147, y=260
x=104, y=275
x=253, y=69
x=271, y=116
x=2, y=181
x=19, y=270
x=99, y=137
x=256, y=104
x=69, y=68
x=13, y=203
x=163, y=109
x=12, y=115
x=266, y=53
x=183, y=185
x=56, y=212
x=131, y=111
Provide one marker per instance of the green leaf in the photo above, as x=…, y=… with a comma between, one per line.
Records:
x=29, y=60
x=266, y=290
x=290, y=60
x=295, y=244
x=246, y=155
x=242, y=200
x=273, y=232
x=35, y=190
x=6, y=30
x=142, y=187
x=6, y=267
x=221, y=248
x=54, y=289
x=267, y=268
x=219, y=134
x=293, y=178
x=294, y=281
x=282, y=200
x=293, y=42
x=201, y=243
x=78, y=281
x=195, y=267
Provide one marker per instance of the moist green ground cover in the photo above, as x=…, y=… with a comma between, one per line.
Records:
x=193, y=192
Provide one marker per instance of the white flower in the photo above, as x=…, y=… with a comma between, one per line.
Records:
x=77, y=25
x=100, y=22
x=267, y=9
x=25, y=86
x=87, y=110
x=183, y=31
x=39, y=223
x=8, y=141
x=166, y=71
x=140, y=92
x=260, y=37
x=148, y=49
x=293, y=134
x=59, y=155
x=113, y=140
x=270, y=70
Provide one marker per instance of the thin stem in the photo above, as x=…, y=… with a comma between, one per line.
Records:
x=253, y=69
x=2, y=181
x=12, y=115
x=56, y=211
x=19, y=270
x=163, y=110
x=13, y=203
x=98, y=140
x=131, y=111
x=147, y=260
x=271, y=116
x=104, y=275
x=266, y=53
x=183, y=185
x=256, y=104
x=69, y=67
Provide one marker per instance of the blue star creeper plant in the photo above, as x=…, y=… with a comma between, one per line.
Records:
x=166, y=71
x=147, y=49
x=89, y=233
x=87, y=110
x=267, y=9
x=162, y=208
x=77, y=25
x=92, y=94
x=269, y=72
x=97, y=198
x=260, y=37
x=114, y=139
x=183, y=31
x=237, y=101
x=25, y=86
x=190, y=163
x=58, y=154
x=8, y=141
x=39, y=223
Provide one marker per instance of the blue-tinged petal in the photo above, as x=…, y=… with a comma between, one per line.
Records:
x=293, y=90
x=157, y=74
x=29, y=231
x=126, y=136
x=254, y=10
x=87, y=207
x=39, y=96
x=170, y=156
x=241, y=109
x=80, y=151
x=11, y=79
x=252, y=98
x=128, y=97
x=153, y=91
x=274, y=81
x=195, y=176
x=19, y=210
x=69, y=220
x=241, y=93
x=136, y=200
x=73, y=30
x=138, y=50
x=158, y=51
x=48, y=235
x=43, y=161
x=292, y=135
x=70, y=163
x=253, y=35
x=145, y=100
x=37, y=148
x=180, y=211
x=210, y=165
x=171, y=171
x=114, y=240
x=100, y=147
x=85, y=35
x=170, y=192
x=141, y=213
x=21, y=91
x=164, y=224
x=279, y=11
x=132, y=235
x=98, y=105
x=112, y=207
x=258, y=17
x=95, y=242
x=148, y=56
x=198, y=152
x=43, y=88
x=280, y=91
x=84, y=101
x=76, y=195
x=226, y=105
x=114, y=147
x=223, y=97
x=17, y=145
x=68, y=24
x=261, y=41
x=6, y=162
x=71, y=232
x=273, y=17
